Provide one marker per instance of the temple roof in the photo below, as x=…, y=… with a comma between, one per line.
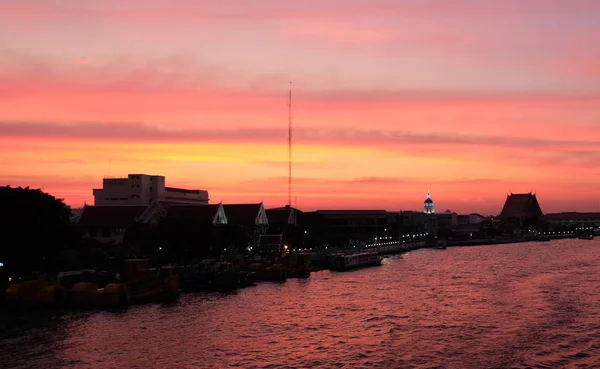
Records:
x=198, y=212
x=279, y=215
x=242, y=213
x=523, y=205
x=110, y=216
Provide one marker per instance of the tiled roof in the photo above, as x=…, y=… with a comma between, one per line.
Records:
x=521, y=206
x=278, y=216
x=110, y=216
x=242, y=213
x=197, y=212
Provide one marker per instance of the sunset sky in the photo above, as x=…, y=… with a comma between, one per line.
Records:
x=470, y=99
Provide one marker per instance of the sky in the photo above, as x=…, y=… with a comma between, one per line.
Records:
x=469, y=99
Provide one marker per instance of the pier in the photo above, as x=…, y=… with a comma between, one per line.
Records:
x=319, y=258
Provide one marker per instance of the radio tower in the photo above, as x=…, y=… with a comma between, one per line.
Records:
x=290, y=147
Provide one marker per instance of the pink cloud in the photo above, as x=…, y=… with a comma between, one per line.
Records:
x=338, y=32
x=267, y=9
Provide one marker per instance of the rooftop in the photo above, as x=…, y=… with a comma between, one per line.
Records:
x=198, y=212
x=110, y=216
x=523, y=205
x=182, y=190
x=242, y=213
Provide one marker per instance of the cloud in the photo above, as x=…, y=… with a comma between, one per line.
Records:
x=83, y=60
x=337, y=32
x=136, y=132
x=377, y=181
x=183, y=80
x=163, y=10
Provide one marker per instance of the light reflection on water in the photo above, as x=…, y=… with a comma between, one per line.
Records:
x=510, y=306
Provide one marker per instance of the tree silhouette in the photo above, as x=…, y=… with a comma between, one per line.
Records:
x=34, y=230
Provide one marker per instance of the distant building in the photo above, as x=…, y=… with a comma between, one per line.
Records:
x=252, y=217
x=358, y=225
x=428, y=205
x=521, y=206
x=286, y=215
x=472, y=218
x=270, y=244
x=446, y=221
x=573, y=219
x=410, y=222
x=214, y=213
x=475, y=218
x=142, y=190
x=108, y=223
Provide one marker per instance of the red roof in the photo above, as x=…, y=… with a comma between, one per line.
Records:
x=110, y=216
x=242, y=213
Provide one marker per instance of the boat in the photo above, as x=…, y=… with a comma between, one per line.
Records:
x=588, y=236
x=36, y=293
x=213, y=276
x=268, y=271
x=88, y=295
x=440, y=245
x=298, y=265
x=341, y=262
x=148, y=285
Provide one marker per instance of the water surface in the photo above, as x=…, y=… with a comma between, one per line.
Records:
x=531, y=305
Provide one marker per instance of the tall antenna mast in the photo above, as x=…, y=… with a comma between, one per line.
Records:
x=290, y=147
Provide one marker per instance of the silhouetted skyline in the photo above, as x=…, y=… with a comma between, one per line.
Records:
x=469, y=99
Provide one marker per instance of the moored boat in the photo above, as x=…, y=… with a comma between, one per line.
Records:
x=440, y=245
x=147, y=285
x=36, y=293
x=88, y=295
x=210, y=276
x=298, y=265
x=341, y=262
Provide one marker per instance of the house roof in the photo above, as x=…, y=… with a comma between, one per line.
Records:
x=198, y=212
x=523, y=205
x=278, y=216
x=242, y=213
x=110, y=216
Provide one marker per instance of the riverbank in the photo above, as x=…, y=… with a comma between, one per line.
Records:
x=505, y=240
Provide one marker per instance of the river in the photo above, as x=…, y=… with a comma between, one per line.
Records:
x=529, y=305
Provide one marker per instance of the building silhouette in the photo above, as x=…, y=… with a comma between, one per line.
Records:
x=143, y=190
x=521, y=206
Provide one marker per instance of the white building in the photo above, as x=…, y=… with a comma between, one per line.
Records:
x=143, y=189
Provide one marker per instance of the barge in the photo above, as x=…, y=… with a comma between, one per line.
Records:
x=342, y=262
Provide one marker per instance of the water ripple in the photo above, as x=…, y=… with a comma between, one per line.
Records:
x=513, y=306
